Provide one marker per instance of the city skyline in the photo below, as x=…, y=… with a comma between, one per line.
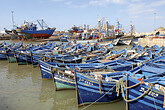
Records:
x=63, y=14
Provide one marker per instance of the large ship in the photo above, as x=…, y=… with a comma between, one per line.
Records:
x=30, y=30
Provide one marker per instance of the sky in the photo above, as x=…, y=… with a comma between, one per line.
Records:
x=63, y=14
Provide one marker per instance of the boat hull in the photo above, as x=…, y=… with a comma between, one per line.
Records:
x=38, y=33
x=45, y=70
x=63, y=82
x=23, y=59
x=89, y=91
x=151, y=101
x=3, y=56
x=125, y=41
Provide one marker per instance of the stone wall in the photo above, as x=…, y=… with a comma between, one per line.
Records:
x=150, y=41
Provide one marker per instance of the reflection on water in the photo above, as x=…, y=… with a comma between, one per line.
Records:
x=21, y=88
x=66, y=100
x=19, y=71
x=47, y=90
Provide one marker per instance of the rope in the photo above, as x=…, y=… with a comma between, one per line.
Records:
x=136, y=97
x=132, y=65
x=118, y=84
x=162, y=88
x=122, y=83
x=138, y=64
x=98, y=99
x=154, y=101
x=100, y=86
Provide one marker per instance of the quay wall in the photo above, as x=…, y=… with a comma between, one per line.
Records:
x=150, y=41
x=5, y=37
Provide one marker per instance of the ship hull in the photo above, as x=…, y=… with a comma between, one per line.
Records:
x=38, y=33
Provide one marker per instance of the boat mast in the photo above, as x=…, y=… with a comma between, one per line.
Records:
x=107, y=28
x=99, y=24
x=41, y=24
x=132, y=28
x=118, y=25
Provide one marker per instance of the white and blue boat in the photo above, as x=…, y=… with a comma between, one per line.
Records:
x=144, y=87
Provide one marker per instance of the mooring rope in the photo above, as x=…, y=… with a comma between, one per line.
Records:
x=122, y=83
x=123, y=86
x=154, y=101
x=162, y=88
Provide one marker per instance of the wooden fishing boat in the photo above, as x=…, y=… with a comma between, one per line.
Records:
x=115, y=41
x=109, y=64
x=23, y=55
x=143, y=95
x=144, y=86
x=133, y=61
x=64, y=39
x=96, y=88
x=104, y=57
x=46, y=67
x=38, y=53
x=92, y=87
x=10, y=52
x=63, y=79
x=64, y=72
x=80, y=53
x=125, y=40
x=3, y=48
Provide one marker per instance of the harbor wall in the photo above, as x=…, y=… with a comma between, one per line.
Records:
x=150, y=41
x=5, y=37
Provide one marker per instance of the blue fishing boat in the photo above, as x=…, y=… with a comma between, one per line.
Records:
x=125, y=40
x=144, y=86
x=64, y=39
x=133, y=61
x=3, y=48
x=97, y=87
x=63, y=80
x=67, y=68
x=146, y=95
x=39, y=52
x=23, y=55
x=46, y=67
x=10, y=52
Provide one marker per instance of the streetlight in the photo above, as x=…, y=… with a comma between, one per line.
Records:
x=154, y=23
x=12, y=18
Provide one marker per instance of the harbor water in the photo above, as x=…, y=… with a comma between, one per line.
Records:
x=22, y=88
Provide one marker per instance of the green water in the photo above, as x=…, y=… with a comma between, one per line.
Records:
x=21, y=88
